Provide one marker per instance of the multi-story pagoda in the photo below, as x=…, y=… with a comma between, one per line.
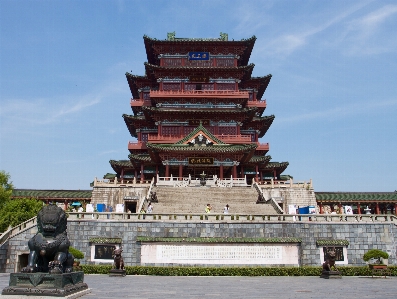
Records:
x=197, y=109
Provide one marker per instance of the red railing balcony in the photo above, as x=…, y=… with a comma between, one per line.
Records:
x=263, y=147
x=175, y=138
x=184, y=61
x=164, y=138
x=234, y=138
x=199, y=94
x=136, y=145
x=259, y=104
x=140, y=102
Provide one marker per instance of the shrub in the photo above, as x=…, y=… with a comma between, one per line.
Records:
x=76, y=253
x=231, y=271
x=375, y=254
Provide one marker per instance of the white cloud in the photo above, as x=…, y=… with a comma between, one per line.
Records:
x=370, y=34
x=342, y=111
x=246, y=16
x=288, y=42
x=24, y=116
x=43, y=111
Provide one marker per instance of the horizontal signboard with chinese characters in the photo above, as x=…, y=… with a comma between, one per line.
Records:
x=199, y=55
x=199, y=79
x=196, y=122
x=201, y=160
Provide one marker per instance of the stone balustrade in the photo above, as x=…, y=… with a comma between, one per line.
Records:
x=212, y=217
x=17, y=229
x=286, y=184
x=120, y=183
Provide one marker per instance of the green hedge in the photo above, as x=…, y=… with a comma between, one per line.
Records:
x=230, y=271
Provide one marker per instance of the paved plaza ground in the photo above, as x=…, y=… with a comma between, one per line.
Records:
x=167, y=287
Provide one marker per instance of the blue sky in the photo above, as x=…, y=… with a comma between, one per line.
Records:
x=334, y=94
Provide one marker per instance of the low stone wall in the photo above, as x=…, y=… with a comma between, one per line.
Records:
x=292, y=196
x=85, y=234
x=3, y=256
x=114, y=195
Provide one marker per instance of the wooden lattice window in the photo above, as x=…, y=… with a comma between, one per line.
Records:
x=189, y=86
x=171, y=86
x=172, y=61
x=211, y=130
x=170, y=131
x=225, y=86
x=227, y=130
x=199, y=63
x=187, y=130
x=207, y=86
x=225, y=62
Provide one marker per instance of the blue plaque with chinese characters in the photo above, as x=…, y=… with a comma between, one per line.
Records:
x=199, y=55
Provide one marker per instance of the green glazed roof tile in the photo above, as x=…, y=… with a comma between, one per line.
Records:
x=47, y=194
x=356, y=196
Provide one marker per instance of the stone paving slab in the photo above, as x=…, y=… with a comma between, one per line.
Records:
x=231, y=287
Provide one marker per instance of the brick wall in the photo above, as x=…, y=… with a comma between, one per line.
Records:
x=361, y=236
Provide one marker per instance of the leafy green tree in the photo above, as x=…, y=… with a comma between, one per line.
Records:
x=17, y=211
x=5, y=188
x=14, y=211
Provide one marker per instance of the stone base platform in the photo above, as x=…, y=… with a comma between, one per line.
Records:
x=46, y=285
x=330, y=274
x=117, y=272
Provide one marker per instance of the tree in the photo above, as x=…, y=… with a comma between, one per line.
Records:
x=14, y=211
x=18, y=210
x=6, y=188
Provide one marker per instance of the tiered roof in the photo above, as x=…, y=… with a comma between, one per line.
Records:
x=356, y=196
x=182, y=105
x=216, y=46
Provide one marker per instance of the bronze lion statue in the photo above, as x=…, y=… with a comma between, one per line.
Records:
x=49, y=248
x=118, y=259
x=330, y=258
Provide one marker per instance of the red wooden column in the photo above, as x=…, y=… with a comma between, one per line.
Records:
x=167, y=171
x=221, y=171
x=377, y=209
x=142, y=175
x=136, y=175
x=157, y=173
x=358, y=208
x=395, y=208
x=234, y=170
x=321, y=208
x=256, y=173
x=66, y=205
x=242, y=171
x=340, y=208
x=180, y=172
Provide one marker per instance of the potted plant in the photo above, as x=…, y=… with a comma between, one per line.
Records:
x=378, y=256
x=78, y=255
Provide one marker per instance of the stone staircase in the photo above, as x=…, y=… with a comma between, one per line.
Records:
x=242, y=200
